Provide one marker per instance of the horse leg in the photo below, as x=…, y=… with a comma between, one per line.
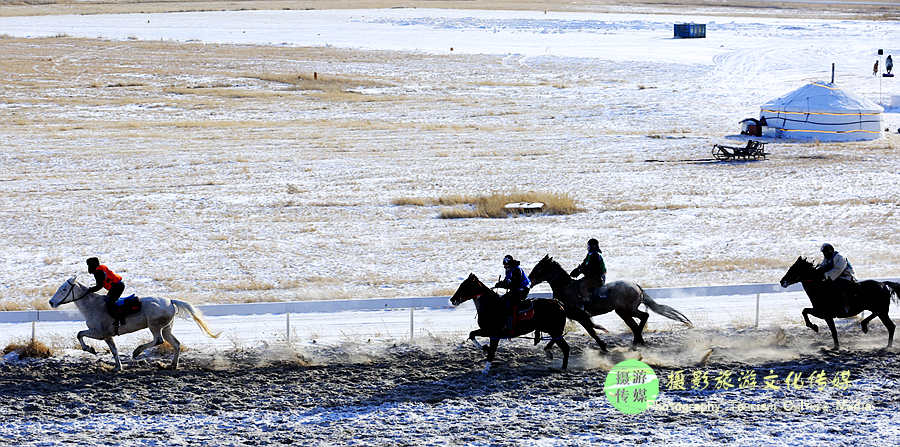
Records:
x=565, y=349
x=115, y=353
x=157, y=340
x=809, y=324
x=865, y=323
x=584, y=319
x=589, y=327
x=472, y=336
x=830, y=322
x=176, y=345
x=886, y=319
x=626, y=317
x=643, y=316
x=492, y=349
x=84, y=346
x=548, y=347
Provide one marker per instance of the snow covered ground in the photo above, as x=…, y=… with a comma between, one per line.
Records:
x=194, y=153
x=220, y=182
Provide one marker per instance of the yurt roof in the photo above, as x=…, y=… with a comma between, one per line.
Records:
x=821, y=97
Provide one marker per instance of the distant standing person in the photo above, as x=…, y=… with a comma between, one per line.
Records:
x=593, y=268
x=889, y=64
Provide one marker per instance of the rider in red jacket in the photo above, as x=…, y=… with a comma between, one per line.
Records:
x=106, y=279
x=109, y=280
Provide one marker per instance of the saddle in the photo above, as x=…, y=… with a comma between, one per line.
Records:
x=846, y=295
x=122, y=308
x=597, y=293
x=524, y=311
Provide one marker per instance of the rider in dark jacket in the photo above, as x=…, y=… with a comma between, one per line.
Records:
x=517, y=284
x=593, y=268
x=837, y=270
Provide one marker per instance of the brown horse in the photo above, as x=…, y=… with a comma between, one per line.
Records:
x=549, y=316
x=622, y=296
x=828, y=304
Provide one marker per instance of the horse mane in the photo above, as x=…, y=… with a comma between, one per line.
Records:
x=552, y=261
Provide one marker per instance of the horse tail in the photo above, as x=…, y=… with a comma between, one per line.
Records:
x=895, y=289
x=664, y=310
x=195, y=313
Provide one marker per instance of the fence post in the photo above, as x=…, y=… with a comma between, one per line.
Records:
x=756, y=324
x=33, y=323
x=288, y=327
x=411, y=326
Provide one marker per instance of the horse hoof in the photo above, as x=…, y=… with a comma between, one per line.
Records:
x=865, y=328
x=814, y=328
x=91, y=350
x=484, y=349
x=549, y=355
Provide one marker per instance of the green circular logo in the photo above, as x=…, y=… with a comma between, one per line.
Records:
x=631, y=386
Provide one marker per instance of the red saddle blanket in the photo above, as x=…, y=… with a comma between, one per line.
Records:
x=523, y=312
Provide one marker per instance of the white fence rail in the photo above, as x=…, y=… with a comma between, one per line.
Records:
x=435, y=302
x=263, y=322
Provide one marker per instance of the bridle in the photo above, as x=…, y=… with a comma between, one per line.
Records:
x=474, y=297
x=71, y=293
x=552, y=277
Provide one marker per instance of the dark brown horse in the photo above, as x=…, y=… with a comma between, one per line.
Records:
x=828, y=303
x=622, y=296
x=548, y=316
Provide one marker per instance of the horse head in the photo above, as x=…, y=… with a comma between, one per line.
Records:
x=545, y=270
x=801, y=270
x=65, y=293
x=471, y=288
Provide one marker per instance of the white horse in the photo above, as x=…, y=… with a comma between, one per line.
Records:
x=156, y=314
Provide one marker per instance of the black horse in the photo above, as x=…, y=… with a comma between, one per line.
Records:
x=622, y=296
x=828, y=303
x=547, y=315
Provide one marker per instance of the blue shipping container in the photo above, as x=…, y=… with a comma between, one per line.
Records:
x=690, y=30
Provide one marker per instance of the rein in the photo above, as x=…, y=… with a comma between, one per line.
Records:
x=559, y=271
x=72, y=293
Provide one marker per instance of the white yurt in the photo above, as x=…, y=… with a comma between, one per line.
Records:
x=821, y=111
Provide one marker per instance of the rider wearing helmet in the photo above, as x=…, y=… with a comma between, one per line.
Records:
x=593, y=268
x=517, y=284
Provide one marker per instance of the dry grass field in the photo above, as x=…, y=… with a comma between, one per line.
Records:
x=232, y=173
x=783, y=8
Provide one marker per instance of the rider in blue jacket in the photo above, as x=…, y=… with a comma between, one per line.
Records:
x=517, y=284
